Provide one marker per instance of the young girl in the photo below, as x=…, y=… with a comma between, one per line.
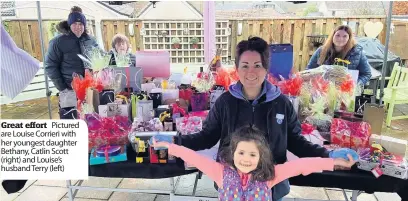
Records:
x=246, y=171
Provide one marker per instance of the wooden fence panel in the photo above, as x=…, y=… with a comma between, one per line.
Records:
x=285, y=30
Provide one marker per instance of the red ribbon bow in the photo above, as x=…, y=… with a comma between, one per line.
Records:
x=178, y=109
x=307, y=129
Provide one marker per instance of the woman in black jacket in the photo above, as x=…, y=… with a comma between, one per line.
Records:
x=121, y=46
x=253, y=100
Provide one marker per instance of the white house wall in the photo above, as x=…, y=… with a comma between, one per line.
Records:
x=61, y=9
x=323, y=9
x=175, y=10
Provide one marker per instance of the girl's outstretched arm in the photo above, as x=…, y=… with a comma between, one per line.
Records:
x=210, y=167
x=300, y=166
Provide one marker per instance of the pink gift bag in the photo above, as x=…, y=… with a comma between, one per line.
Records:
x=154, y=63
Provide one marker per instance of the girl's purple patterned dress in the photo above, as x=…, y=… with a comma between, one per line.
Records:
x=232, y=189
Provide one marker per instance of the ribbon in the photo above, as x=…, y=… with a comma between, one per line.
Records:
x=307, y=129
x=164, y=115
x=178, y=109
x=106, y=153
x=337, y=60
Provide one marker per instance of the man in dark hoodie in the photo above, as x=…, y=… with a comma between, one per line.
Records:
x=62, y=60
x=255, y=101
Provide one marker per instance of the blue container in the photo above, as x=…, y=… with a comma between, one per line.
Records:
x=281, y=60
x=96, y=159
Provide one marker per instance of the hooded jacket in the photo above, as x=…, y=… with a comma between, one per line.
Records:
x=61, y=59
x=358, y=61
x=271, y=112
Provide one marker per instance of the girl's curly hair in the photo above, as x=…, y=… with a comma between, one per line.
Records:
x=265, y=170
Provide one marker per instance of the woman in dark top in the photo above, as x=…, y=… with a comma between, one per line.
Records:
x=341, y=44
x=254, y=100
x=121, y=46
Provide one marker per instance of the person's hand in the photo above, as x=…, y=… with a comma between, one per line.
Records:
x=159, y=145
x=340, y=163
x=160, y=142
x=343, y=153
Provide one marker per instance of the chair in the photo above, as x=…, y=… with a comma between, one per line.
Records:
x=396, y=92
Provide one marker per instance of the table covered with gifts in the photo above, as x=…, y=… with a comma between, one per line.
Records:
x=122, y=115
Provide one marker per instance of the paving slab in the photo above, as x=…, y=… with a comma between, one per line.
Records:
x=7, y=197
x=162, y=198
x=146, y=184
x=334, y=194
x=98, y=182
x=57, y=183
x=81, y=199
x=205, y=188
x=27, y=185
x=42, y=193
x=308, y=193
x=122, y=196
x=387, y=196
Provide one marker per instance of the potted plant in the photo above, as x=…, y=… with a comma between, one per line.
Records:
x=176, y=42
x=194, y=41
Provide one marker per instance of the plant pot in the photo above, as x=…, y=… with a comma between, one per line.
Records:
x=195, y=46
x=176, y=46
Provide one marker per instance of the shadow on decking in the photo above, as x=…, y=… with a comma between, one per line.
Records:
x=38, y=109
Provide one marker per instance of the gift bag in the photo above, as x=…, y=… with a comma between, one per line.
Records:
x=350, y=134
x=134, y=78
x=134, y=98
x=215, y=93
x=185, y=94
x=170, y=94
x=114, y=109
x=106, y=96
x=68, y=113
x=199, y=102
x=144, y=110
x=156, y=98
x=67, y=99
x=92, y=98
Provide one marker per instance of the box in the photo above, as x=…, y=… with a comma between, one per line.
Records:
x=392, y=145
x=110, y=154
x=145, y=153
x=374, y=115
x=390, y=169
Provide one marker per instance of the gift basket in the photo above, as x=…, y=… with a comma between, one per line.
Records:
x=379, y=161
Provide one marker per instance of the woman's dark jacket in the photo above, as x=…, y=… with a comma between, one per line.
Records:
x=357, y=58
x=112, y=61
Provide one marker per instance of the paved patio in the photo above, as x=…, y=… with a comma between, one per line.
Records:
x=47, y=190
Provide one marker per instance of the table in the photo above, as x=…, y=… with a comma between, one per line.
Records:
x=356, y=180
x=131, y=169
